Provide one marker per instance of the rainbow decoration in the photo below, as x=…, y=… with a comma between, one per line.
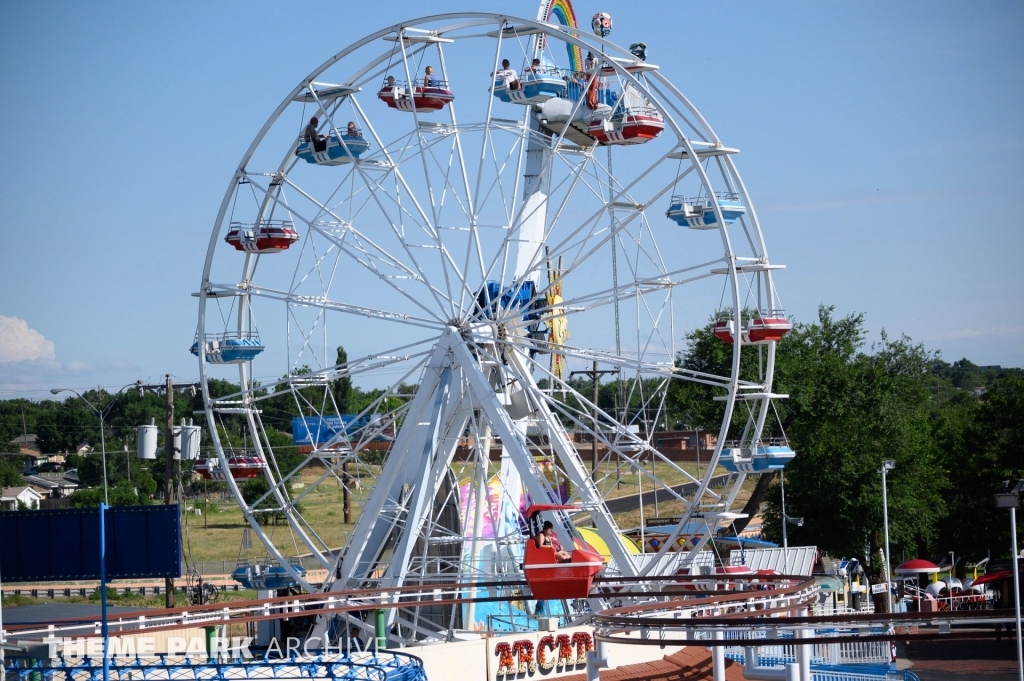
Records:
x=561, y=11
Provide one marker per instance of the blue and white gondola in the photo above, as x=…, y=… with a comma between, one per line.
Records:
x=759, y=460
x=535, y=88
x=335, y=153
x=230, y=350
x=700, y=214
x=266, y=577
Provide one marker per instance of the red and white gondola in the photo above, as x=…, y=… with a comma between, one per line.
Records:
x=421, y=99
x=240, y=468
x=266, y=236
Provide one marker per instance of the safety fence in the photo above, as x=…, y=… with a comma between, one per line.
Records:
x=365, y=666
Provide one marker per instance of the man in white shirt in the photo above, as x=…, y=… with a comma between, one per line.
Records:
x=509, y=75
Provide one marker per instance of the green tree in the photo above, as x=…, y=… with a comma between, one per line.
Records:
x=11, y=468
x=980, y=437
x=342, y=387
x=847, y=411
x=253, y=489
x=121, y=494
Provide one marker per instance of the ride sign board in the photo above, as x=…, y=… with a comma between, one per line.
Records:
x=879, y=588
x=319, y=430
x=142, y=541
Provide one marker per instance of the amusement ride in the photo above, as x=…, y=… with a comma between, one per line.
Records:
x=439, y=197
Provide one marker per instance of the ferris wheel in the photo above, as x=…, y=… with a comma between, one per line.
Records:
x=439, y=198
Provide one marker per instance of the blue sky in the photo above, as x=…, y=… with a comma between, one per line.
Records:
x=881, y=143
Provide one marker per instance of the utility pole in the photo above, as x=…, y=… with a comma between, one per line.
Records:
x=595, y=376
x=169, y=471
x=346, y=504
x=168, y=387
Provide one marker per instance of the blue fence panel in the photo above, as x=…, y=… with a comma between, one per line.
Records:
x=142, y=542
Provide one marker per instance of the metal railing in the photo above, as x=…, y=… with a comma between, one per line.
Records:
x=230, y=335
x=416, y=83
x=375, y=666
x=262, y=224
x=703, y=200
x=857, y=652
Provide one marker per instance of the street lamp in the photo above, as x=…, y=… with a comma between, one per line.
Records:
x=786, y=520
x=1008, y=499
x=887, y=465
x=101, y=413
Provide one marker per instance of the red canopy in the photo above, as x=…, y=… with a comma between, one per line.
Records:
x=917, y=566
x=549, y=507
x=991, y=577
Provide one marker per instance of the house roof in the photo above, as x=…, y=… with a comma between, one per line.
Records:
x=12, y=492
x=37, y=481
x=26, y=441
x=50, y=480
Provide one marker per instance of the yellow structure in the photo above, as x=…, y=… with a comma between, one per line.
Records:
x=558, y=325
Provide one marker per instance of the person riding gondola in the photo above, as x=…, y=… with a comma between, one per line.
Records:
x=546, y=538
x=428, y=78
x=352, y=131
x=509, y=75
x=318, y=141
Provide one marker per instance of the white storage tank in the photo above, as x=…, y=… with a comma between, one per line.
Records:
x=190, y=439
x=177, y=440
x=147, y=441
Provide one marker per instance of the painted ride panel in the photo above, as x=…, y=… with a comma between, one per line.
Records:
x=240, y=468
x=756, y=460
x=699, y=213
x=536, y=87
x=337, y=150
x=266, y=236
x=228, y=350
x=420, y=99
x=628, y=128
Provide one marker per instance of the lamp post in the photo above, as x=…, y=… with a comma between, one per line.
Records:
x=786, y=520
x=101, y=413
x=887, y=465
x=1008, y=499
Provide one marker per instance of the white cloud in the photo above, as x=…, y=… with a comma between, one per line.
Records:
x=18, y=342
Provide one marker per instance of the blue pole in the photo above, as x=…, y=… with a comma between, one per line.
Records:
x=103, y=590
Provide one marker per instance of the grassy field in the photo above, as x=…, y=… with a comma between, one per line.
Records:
x=218, y=536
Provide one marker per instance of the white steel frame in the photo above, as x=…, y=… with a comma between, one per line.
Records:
x=468, y=367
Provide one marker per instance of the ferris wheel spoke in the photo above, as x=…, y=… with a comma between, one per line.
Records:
x=625, y=446
x=373, y=257
x=640, y=287
x=322, y=303
x=652, y=368
x=395, y=172
x=415, y=272
x=316, y=265
x=587, y=243
x=430, y=221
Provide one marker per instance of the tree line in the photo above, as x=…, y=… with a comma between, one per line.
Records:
x=954, y=430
